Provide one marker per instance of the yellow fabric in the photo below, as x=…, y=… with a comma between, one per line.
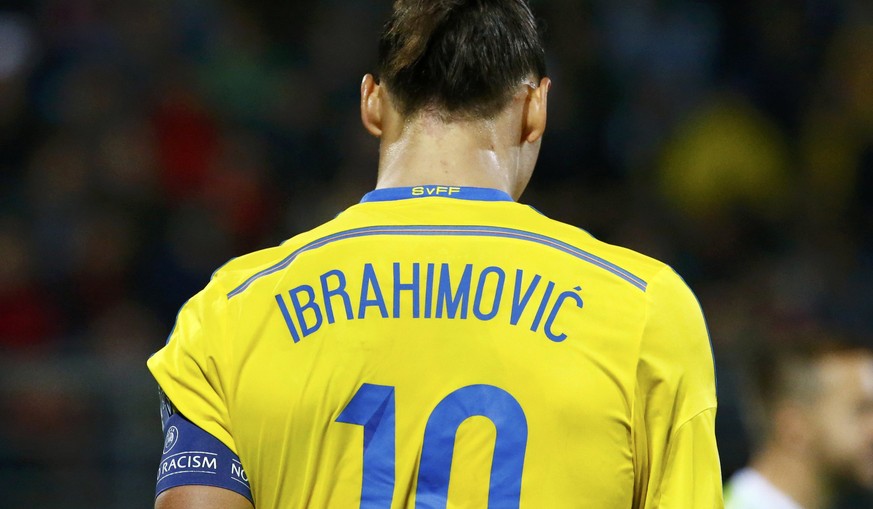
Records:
x=618, y=394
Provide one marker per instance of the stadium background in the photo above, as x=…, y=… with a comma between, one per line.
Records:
x=145, y=142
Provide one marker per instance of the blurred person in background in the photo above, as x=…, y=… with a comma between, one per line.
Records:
x=810, y=411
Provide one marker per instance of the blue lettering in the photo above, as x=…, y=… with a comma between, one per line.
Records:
x=461, y=297
x=369, y=282
x=287, y=316
x=518, y=305
x=428, y=293
x=409, y=287
x=440, y=433
x=339, y=291
x=542, y=309
x=300, y=309
x=550, y=321
x=498, y=293
x=373, y=407
x=307, y=312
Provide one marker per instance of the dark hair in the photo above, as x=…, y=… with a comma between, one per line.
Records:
x=782, y=368
x=462, y=57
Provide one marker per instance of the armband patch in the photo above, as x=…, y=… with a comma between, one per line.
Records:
x=194, y=457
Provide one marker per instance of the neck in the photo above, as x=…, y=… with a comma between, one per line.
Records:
x=795, y=474
x=430, y=152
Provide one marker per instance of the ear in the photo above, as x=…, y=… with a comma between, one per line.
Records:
x=536, y=112
x=371, y=105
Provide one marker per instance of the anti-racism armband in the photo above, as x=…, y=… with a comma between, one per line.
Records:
x=194, y=457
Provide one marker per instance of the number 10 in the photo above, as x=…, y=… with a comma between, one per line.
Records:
x=373, y=408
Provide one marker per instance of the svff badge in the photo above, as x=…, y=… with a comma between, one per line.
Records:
x=171, y=439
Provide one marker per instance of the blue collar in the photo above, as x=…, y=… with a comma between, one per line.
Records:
x=456, y=192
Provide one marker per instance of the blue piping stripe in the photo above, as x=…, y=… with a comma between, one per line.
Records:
x=462, y=231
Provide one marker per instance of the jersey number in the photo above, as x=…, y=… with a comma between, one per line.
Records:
x=373, y=408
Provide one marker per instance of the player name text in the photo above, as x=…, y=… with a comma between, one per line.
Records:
x=429, y=291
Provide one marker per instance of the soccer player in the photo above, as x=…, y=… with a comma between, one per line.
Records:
x=812, y=421
x=440, y=344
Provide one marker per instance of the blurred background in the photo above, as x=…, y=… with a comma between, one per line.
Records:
x=145, y=142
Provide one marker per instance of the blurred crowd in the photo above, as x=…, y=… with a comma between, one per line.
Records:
x=143, y=143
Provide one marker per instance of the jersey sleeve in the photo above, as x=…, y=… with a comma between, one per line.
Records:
x=674, y=410
x=194, y=457
x=189, y=368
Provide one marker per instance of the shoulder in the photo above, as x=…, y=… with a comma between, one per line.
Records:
x=235, y=275
x=639, y=268
x=520, y=221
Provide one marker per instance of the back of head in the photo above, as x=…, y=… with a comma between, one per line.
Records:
x=462, y=59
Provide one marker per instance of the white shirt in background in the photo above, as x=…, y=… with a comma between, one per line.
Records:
x=747, y=489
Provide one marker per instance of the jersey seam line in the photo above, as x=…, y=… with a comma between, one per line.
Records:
x=673, y=435
x=635, y=396
x=688, y=420
x=459, y=230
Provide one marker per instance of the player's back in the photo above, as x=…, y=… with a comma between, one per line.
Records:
x=434, y=342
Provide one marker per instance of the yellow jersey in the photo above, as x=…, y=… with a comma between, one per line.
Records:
x=440, y=346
